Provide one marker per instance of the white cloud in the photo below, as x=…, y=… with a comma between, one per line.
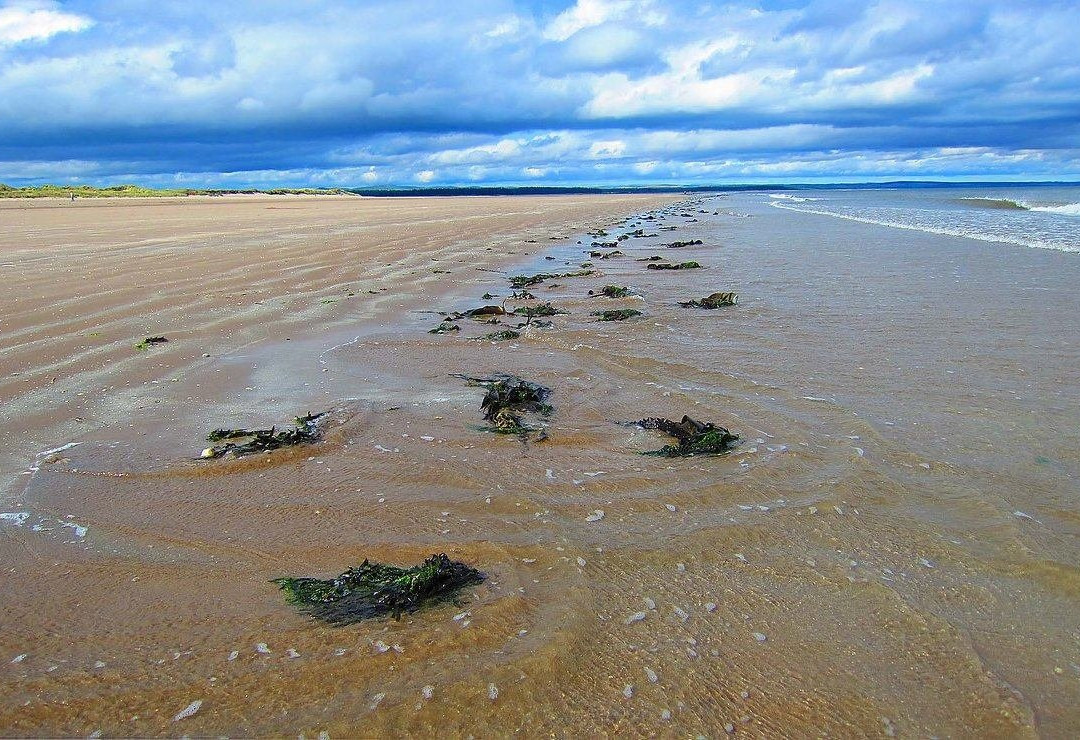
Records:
x=425, y=175
x=606, y=149
x=37, y=22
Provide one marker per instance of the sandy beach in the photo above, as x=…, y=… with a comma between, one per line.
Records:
x=870, y=560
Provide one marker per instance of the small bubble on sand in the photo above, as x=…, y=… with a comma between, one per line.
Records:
x=377, y=700
x=926, y=563
x=710, y=607
x=493, y=691
x=18, y=658
x=760, y=637
x=681, y=613
x=427, y=692
x=262, y=648
x=628, y=691
x=339, y=652
x=651, y=675
x=189, y=711
x=581, y=562
x=670, y=507
x=380, y=647
x=681, y=567
x=234, y=655
x=292, y=653
x=635, y=617
x=596, y=516
x=729, y=728
x=649, y=603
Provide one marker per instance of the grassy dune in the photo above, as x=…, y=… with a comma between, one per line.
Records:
x=135, y=191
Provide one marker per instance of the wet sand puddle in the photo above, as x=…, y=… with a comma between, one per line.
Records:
x=827, y=575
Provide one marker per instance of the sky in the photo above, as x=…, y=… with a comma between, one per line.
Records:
x=329, y=93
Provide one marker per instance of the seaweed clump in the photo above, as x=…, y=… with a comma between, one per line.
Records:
x=239, y=442
x=150, y=342
x=617, y=314
x=525, y=281
x=677, y=245
x=612, y=291
x=501, y=336
x=544, y=309
x=695, y=437
x=444, y=328
x=668, y=266
x=716, y=300
x=375, y=590
x=509, y=399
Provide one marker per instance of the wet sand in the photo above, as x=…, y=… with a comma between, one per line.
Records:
x=890, y=550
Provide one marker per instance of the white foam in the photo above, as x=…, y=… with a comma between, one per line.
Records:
x=943, y=230
x=1069, y=209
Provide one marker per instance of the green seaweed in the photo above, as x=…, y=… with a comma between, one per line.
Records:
x=305, y=430
x=612, y=291
x=150, y=342
x=525, y=281
x=694, y=437
x=508, y=399
x=617, y=314
x=444, y=328
x=668, y=266
x=676, y=245
x=373, y=590
x=716, y=300
x=544, y=309
x=502, y=336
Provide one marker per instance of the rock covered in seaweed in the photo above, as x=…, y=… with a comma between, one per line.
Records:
x=716, y=300
x=695, y=437
x=375, y=589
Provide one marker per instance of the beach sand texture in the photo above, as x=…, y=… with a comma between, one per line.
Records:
x=890, y=550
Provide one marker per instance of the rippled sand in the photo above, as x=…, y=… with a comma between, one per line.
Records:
x=890, y=550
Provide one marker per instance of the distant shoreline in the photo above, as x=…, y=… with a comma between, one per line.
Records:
x=136, y=191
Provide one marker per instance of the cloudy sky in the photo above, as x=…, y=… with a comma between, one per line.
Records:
x=424, y=92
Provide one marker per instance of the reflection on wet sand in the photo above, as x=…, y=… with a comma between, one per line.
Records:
x=864, y=560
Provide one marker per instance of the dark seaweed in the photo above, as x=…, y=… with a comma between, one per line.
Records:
x=375, y=590
x=695, y=437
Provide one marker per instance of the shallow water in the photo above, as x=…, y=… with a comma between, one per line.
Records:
x=891, y=549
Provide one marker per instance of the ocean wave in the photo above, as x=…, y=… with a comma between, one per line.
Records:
x=934, y=229
x=1069, y=209
x=1006, y=204
x=792, y=198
